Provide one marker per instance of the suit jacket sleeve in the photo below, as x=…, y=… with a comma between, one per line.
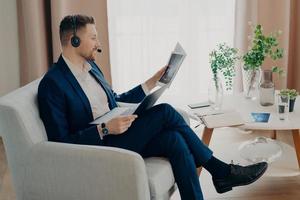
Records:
x=53, y=109
x=135, y=95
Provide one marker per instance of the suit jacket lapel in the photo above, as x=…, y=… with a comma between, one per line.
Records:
x=72, y=80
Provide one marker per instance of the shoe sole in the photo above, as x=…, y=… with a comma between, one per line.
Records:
x=226, y=189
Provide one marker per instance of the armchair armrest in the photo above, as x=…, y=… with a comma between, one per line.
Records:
x=68, y=171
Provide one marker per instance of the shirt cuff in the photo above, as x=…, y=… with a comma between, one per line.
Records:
x=145, y=89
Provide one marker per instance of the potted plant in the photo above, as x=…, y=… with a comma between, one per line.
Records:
x=262, y=46
x=284, y=92
x=222, y=60
x=292, y=94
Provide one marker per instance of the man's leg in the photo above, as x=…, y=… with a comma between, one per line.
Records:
x=170, y=144
x=225, y=176
x=153, y=122
x=216, y=167
x=163, y=118
x=157, y=120
x=151, y=135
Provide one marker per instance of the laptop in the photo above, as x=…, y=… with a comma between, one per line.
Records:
x=136, y=109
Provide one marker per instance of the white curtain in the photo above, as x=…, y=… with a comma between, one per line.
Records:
x=142, y=33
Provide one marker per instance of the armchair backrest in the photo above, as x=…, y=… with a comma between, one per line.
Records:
x=20, y=109
x=20, y=127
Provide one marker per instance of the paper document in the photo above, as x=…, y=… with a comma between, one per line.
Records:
x=118, y=111
x=221, y=119
x=137, y=109
x=176, y=58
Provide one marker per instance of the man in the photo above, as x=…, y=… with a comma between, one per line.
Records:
x=74, y=92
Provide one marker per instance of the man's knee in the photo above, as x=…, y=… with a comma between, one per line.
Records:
x=169, y=114
x=165, y=108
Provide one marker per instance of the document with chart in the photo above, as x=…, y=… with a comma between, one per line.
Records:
x=176, y=58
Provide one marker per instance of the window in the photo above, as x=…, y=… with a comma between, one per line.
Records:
x=142, y=33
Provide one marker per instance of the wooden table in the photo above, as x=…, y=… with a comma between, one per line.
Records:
x=245, y=107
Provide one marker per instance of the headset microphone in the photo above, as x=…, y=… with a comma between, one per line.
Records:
x=99, y=50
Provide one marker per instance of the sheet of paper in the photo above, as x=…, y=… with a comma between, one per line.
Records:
x=225, y=119
x=111, y=114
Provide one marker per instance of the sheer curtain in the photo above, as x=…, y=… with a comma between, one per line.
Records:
x=142, y=33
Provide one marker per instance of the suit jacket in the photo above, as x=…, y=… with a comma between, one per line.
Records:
x=65, y=109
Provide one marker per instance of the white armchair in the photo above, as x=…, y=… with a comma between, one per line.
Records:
x=38, y=166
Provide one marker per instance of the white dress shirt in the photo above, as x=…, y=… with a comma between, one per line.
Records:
x=94, y=92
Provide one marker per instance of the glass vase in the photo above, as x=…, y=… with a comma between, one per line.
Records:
x=250, y=83
x=215, y=93
x=292, y=105
x=266, y=89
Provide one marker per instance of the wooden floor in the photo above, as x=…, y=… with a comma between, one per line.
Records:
x=287, y=188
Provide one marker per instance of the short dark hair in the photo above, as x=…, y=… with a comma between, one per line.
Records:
x=66, y=26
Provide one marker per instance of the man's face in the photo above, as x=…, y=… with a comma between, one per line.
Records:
x=89, y=42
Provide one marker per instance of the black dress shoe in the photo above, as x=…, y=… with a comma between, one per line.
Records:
x=240, y=175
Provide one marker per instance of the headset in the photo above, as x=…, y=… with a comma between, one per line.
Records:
x=75, y=40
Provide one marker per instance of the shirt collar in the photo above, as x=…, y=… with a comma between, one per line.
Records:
x=78, y=70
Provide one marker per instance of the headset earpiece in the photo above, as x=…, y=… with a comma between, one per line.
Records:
x=75, y=40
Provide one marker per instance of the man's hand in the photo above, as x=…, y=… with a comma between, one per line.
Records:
x=120, y=124
x=151, y=82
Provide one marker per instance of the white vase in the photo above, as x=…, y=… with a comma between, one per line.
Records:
x=251, y=80
x=215, y=93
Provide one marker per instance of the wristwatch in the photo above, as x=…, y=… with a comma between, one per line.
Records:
x=104, y=130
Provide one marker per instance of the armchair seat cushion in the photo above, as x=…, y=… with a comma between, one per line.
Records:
x=160, y=176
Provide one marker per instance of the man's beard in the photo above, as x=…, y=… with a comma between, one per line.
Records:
x=90, y=56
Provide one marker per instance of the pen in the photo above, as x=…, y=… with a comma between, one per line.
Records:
x=197, y=126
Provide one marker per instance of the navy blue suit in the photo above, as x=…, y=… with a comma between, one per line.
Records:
x=160, y=131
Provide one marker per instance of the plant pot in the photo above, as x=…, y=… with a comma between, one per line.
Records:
x=292, y=104
x=250, y=83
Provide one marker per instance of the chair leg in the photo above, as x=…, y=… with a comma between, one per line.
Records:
x=206, y=137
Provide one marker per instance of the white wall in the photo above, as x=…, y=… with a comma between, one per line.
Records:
x=9, y=47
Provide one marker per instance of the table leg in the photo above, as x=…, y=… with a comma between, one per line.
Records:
x=296, y=138
x=206, y=136
x=274, y=136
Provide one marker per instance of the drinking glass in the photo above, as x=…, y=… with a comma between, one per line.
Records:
x=283, y=106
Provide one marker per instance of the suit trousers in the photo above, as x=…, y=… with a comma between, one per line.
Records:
x=161, y=131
